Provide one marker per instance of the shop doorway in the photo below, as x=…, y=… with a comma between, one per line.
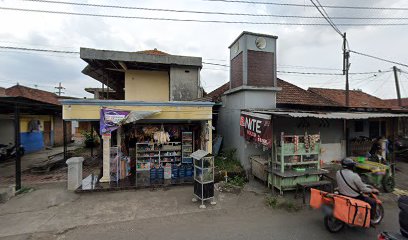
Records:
x=154, y=153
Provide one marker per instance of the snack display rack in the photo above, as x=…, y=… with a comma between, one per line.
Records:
x=297, y=160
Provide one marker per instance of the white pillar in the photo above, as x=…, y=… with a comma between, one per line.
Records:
x=118, y=137
x=209, y=136
x=106, y=158
x=74, y=172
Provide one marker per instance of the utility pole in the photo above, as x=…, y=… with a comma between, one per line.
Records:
x=397, y=85
x=59, y=89
x=346, y=67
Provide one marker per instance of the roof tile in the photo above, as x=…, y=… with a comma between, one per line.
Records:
x=394, y=102
x=292, y=94
x=153, y=52
x=358, y=99
x=34, y=94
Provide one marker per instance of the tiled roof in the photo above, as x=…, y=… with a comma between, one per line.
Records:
x=394, y=102
x=358, y=99
x=292, y=94
x=31, y=93
x=215, y=96
x=154, y=52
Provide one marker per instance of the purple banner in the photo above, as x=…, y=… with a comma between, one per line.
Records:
x=110, y=119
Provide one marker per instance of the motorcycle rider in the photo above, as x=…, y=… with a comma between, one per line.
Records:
x=350, y=184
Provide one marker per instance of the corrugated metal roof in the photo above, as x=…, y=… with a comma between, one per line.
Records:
x=331, y=115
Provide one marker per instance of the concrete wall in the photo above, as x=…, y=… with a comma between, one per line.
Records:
x=6, y=130
x=229, y=116
x=33, y=141
x=353, y=133
x=147, y=86
x=184, y=83
x=331, y=133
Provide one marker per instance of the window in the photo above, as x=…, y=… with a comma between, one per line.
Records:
x=358, y=126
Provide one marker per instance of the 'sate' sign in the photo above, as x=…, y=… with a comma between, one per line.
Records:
x=256, y=127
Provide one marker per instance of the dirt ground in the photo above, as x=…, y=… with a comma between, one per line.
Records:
x=57, y=174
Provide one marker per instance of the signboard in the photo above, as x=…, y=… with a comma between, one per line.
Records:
x=257, y=128
x=110, y=119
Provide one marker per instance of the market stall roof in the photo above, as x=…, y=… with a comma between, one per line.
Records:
x=329, y=115
x=27, y=106
x=104, y=103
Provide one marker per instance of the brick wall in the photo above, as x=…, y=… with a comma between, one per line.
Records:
x=59, y=132
x=260, y=69
x=236, y=71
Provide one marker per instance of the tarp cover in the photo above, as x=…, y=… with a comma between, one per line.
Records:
x=111, y=119
x=134, y=116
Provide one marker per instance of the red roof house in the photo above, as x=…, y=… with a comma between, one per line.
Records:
x=33, y=94
x=358, y=99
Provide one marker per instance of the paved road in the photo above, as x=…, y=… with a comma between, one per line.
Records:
x=236, y=224
x=50, y=212
x=245, y=217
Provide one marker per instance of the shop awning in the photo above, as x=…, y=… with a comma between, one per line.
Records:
x=137, y=115
x=330, y=115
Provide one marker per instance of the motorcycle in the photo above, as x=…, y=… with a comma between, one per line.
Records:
x=9, y=151
x=335, y=225
x=403, y=222
x=390, y=236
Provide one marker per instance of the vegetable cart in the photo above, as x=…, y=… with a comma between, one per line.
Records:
x=374, y=173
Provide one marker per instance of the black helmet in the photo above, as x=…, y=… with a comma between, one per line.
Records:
x=348, y=163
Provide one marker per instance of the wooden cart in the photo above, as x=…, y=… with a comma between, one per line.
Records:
x=296, y=161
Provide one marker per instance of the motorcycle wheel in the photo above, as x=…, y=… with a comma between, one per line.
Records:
x=332, y=224
x=379, y=215
x=388, y=184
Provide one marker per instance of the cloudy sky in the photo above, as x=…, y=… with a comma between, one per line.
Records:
x=300, y=48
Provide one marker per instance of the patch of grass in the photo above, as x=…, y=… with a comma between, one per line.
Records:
x=79, y=151
x=285, y=204
x=271, y=202
x=227, y=161
x=237, y=181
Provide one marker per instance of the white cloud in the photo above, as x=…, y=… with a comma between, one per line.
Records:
x=302, y=45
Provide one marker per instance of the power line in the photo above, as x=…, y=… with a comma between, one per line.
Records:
x=378, y=58
x=197, y=20
x=305, y=73
x=211, y=12
x=208, y=63
x=323, y=73
x=308, y=5
x=380, y=86
x=306, y=67
x=216, y=64
x=326, y=16
x=37, y=50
